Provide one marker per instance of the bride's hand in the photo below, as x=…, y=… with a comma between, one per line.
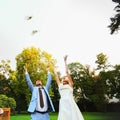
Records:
x=65, y=58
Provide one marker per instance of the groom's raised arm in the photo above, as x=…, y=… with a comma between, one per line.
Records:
x=29, y=82
x=49, y=78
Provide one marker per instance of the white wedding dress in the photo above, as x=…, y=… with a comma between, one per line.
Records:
x=68, y=109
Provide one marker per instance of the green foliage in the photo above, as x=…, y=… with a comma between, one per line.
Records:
x=112, y=78
x=5, y=67
x=83, y=81
x=115, y=20
x=35, y=60
x=77, y=73
x=7, y=102
x=5, y=73
x=102, y=62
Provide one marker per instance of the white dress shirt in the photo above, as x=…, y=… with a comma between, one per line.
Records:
x=38, y=108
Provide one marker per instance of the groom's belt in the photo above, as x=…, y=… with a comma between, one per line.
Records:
x=43, y=112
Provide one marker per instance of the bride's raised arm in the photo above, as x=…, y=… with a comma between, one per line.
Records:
x=56, y=75
x=67, y=71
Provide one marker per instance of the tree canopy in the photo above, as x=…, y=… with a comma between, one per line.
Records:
x=115, y=20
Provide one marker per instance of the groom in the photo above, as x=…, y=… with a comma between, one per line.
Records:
x=38, y=110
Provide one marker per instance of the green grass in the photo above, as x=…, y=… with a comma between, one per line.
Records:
x=20, y=117
x=87, y=116
x=101, y=116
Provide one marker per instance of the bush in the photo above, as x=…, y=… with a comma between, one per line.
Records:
x=7, y=102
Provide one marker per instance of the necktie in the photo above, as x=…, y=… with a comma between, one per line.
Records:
x=41, y=98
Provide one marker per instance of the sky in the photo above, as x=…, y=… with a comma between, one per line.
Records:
x=77, y=28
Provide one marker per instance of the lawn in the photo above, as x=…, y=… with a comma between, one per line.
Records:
x=87, y=116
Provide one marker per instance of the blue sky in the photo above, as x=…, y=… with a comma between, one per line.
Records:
x=74, y=27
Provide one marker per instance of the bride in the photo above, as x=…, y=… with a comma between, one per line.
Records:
x=68, y=109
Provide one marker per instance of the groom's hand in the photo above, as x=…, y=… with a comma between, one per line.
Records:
x=25, y=69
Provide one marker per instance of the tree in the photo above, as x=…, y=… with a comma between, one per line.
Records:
x=117, y=81
x=5, y=72
x=101, y=83
x=76, y=72
x=115, y=20
x=102, y=62
x=112, y=78
x=83, y=83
